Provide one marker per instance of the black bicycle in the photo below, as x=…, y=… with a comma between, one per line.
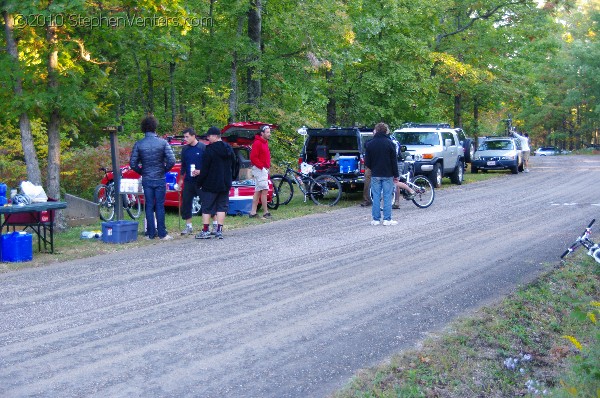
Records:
x=104, y=196
x=323, y=189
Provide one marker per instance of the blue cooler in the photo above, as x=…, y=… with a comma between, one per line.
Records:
x=239, y=205
x=17, y=247
x=171, y=177
x=348, y=164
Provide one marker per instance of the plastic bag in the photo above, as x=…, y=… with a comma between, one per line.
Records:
x=35, y=192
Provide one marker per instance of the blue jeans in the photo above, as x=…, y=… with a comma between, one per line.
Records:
x=154, y=197
x=381, y=185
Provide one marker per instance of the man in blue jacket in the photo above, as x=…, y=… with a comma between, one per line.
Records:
x=215, y=179
x=381, y=158
x=152, y=157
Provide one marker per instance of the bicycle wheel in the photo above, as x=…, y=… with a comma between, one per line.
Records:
x=325, y=190
x=131, y=203
x=424, y=192
x=285, y=189
x=104, y=197
x=273, y=204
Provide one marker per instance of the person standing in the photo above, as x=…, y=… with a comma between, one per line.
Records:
x=191, y=162
x=260, y=157
x=381, y=158
x=525, y=149
x=215, y=180
x=152, y=157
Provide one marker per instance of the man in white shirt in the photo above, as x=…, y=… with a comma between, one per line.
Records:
x=524, y=148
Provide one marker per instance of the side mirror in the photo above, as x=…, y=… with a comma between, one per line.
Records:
x=447, y=142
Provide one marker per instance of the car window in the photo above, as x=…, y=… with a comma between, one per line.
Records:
x=418, y=138
x=496, y=145
x=177, y=152
x=448, y=136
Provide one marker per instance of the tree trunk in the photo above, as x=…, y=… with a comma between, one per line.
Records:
x=150, y=100
x=172, y=83
x=34, y=173
x=233, y=94
x=254, y=34
x=457, y=111
x=140, y=89
x=331, y=104
x=475, y=119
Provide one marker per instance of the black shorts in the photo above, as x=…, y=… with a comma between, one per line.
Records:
x=214, y=202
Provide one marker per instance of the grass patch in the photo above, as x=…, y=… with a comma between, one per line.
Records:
x=516, y=348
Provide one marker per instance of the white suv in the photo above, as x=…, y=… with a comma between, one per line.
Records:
x=437, y=149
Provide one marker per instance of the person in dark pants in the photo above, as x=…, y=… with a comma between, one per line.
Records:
x=381, y=158
x=152, y=157
x=191, y=162
x=216, y=175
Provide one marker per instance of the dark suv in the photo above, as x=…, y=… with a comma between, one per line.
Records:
x=337, y=151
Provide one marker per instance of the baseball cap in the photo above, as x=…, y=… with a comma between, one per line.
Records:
x=263, y=128
x=213, y=131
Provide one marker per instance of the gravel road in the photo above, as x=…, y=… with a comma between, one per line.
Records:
x=286, y=308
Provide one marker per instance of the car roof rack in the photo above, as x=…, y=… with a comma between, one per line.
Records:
x=436, y=125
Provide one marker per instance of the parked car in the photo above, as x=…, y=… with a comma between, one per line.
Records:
x=439, y=150
x=498, y=153
x=239, y=135
x=323, y=148
x=547, y=151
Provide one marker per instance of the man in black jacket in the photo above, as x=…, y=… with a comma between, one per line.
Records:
x=215, y=180
x=152, y=157
x=381, y=158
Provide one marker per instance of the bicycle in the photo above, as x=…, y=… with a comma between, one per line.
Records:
x=323, y=189
x=424, y=190
x=104, y=196
x=585, y=241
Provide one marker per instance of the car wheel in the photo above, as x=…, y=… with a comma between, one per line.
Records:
x=474, y=169
x=458, y=174
x=436, y=176
x=514, y=169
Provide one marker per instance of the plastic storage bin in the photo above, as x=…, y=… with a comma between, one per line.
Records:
x=16, y=247
x=348, y=164
x=119, y=231
x=239, y=205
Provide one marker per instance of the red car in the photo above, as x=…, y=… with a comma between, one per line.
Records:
x=239, y=135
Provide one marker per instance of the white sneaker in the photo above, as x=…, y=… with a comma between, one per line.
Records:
x=166, y=237
x=526, y=170
x=390, y=222
x=375, y=222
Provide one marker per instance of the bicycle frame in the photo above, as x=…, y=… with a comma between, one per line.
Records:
x=585, y=241
x=302, y=180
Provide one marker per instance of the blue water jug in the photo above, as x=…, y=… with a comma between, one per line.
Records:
x=3, y=199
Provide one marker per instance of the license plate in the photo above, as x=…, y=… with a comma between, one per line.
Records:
x=491, y=163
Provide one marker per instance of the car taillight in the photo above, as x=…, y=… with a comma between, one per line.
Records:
x=300, y=161
x=362, y=165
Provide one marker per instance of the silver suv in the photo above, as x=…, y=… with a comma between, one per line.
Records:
x=438, y=150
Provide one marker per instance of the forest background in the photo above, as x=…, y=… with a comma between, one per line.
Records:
x=72, y=68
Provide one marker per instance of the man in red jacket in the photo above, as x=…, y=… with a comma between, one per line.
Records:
x=260, y=157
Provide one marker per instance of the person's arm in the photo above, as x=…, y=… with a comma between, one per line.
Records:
x=204, y=170
x=134, y=159
x=255, y=155
x=169, y=156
